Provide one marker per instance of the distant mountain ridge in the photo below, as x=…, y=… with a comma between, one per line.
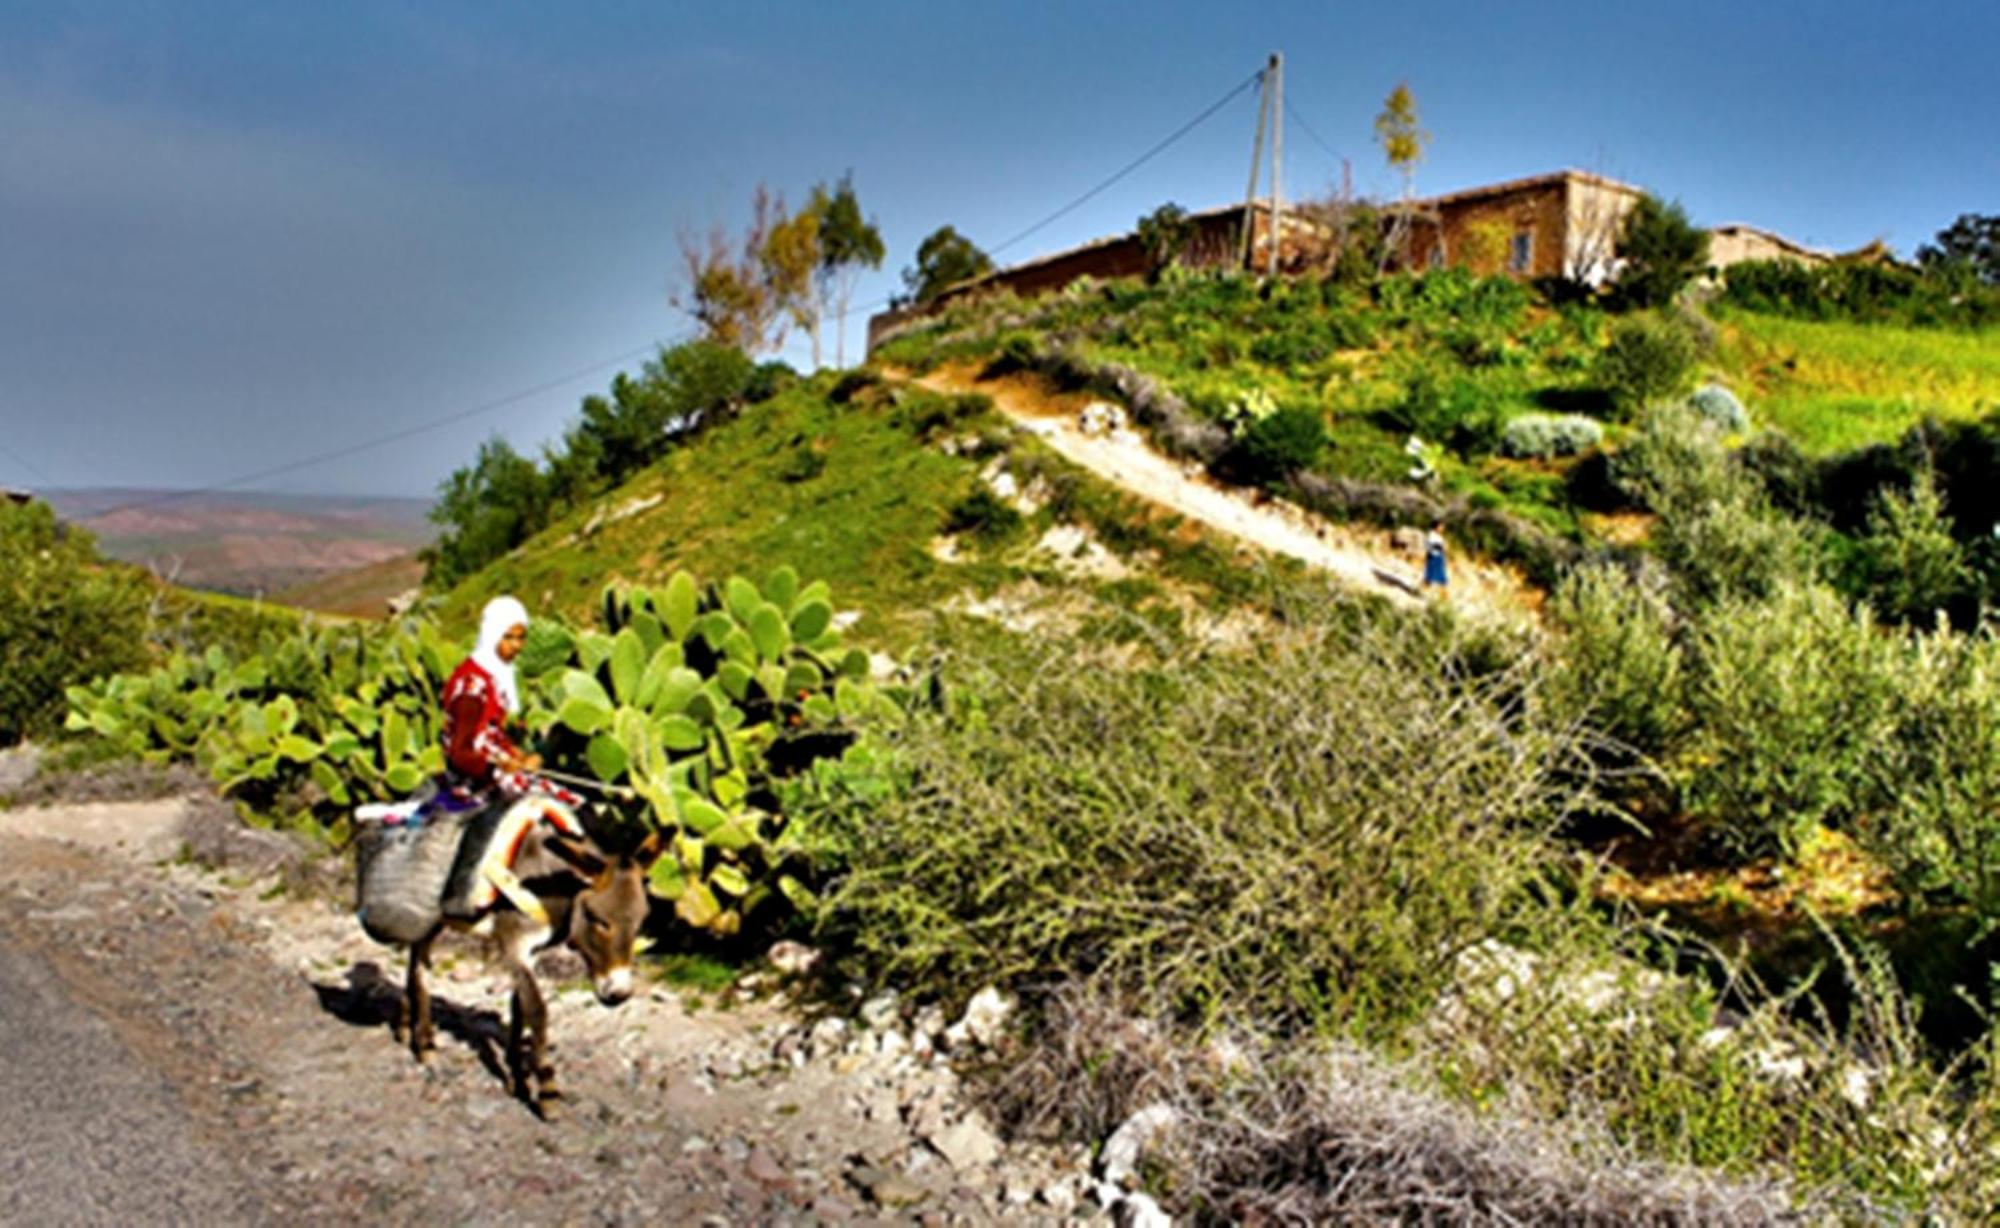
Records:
x=250, y=543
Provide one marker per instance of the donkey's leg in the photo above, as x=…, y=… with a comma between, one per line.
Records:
x=401, y=1029
x=534, y=1013
x=516, y=938
x=517, y=1058
x=417, y=999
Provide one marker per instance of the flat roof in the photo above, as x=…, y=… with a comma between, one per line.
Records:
x=1532, y=181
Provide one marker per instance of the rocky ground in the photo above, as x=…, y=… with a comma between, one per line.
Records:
x=227, y=961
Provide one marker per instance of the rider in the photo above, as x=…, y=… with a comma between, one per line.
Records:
x=480, y=759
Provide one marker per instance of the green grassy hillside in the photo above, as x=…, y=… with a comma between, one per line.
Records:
x=1476, y=367
x=1838, y=385
x=854, y=483
x=845, y=479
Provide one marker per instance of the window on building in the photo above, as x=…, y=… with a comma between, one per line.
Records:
x=1521, y=252
x=1437, y=255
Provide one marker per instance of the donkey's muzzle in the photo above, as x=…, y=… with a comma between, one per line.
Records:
x=614, y=986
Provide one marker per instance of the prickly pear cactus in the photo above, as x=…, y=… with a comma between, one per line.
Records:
x=692, y=698
x=694, y=703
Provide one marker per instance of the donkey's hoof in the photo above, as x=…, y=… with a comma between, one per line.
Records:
x=549, y=1104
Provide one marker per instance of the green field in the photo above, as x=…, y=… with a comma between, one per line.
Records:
x=1835, y=385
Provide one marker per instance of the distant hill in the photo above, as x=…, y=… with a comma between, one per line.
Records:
x=246, y=543
x=360, y=592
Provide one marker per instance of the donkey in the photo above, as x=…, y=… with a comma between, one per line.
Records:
x=590, y=901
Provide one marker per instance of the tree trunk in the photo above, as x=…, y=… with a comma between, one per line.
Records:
x=840, y=337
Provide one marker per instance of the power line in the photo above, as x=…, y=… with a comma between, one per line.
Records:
x=475, y=411
x=1136, y=163
x=629, y=355
x=1300, y=120
x=25, y=463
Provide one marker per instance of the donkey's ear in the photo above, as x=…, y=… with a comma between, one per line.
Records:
x=649, y=850
x=579, y=856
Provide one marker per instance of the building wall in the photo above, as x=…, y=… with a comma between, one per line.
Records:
x=1735, y=244
x=1536, y=213
x=1480, y=233
x=1592, y=214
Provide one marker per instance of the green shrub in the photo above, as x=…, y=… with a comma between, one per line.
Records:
x=984, y=515
x=1301, y=833
x=1662, y=251
x=852, y=384
x=1164, y=235
x=1864, y=292
x=1720, y=406
x=1914, y=568
x=767, y=380
x=1434, y=407
x=1617, y=667
x=1548, y=435
x=1937, y=779
x=1277, y=445
x=1794, y=695
x=926, y=413
x=66, y=616
x=1717, y=531
x=1299, y=345
x=804, y=463
x=1650, y=359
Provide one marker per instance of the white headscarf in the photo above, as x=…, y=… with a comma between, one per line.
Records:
x=501, y=615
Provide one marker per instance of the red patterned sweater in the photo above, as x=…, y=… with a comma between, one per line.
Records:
x=475, y=740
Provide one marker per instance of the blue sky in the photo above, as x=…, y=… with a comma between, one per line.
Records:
x=235, y=235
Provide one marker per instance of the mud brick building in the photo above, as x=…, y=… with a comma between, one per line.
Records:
x=1563, y=224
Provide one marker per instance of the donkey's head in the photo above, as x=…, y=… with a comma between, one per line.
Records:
x=605, y=917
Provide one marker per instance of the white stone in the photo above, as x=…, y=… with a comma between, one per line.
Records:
x=792, y=958
x=966, y=1144
x=930, y=1021
x=985, y=1018
x=827, y=1038
x=1120, y=1161
x=1060, y=1195
x=881, y=1011
x=1140, y=1211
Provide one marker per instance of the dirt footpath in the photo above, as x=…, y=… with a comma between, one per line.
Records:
x=266, y=1017
x=1361, y=560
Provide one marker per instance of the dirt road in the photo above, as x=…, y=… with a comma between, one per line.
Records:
x=191, y=1045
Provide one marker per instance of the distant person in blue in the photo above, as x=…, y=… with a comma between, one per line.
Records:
x=1434, y=577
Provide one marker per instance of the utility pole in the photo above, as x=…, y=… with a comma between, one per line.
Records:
x=1276, y=73
x=1256, y=159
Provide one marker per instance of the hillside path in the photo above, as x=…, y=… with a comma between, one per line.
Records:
x=1360, y=559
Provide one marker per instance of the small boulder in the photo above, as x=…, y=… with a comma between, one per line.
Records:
x=792, y=958
x=984, y=1021
x=881, y=1011
x=966, y=1144
x=828, y=1037
x=1119, y=1163
x=1140, y=1211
